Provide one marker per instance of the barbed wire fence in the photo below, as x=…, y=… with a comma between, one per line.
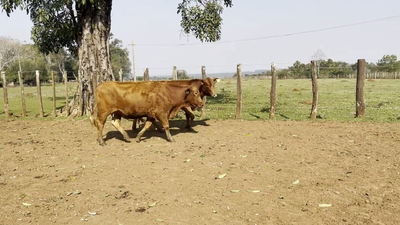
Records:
x=227, y=94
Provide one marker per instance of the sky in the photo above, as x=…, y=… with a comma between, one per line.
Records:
x=255, y=33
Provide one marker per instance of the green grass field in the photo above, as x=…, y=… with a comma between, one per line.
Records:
x=32, y=102
x=293, y=102
x=294, y=97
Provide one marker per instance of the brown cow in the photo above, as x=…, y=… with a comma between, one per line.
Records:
x=206, y=87
x=130, y=100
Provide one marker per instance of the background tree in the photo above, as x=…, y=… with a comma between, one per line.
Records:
x=56, y=62
x=29, y=61
x=318, y=57
x=9, y=51
x=282, y=73
x=119, y=58
x=83, y=27
x=388, y=63
x=202, y=18
x=300, y=70
x=326, y=68
x=371, y=67
x=182, y=75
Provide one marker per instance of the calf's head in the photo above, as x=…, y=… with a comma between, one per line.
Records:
x=193, y=97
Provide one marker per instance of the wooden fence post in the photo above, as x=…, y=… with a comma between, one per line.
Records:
x=273, y=92
x=146, y=75
x=39, y=93
x=360, y=103
x=174, y=73
x=53, y=82
x=120, y=75
x=6, y=106
x=203, y=109
x=239, y=91
x=21, y=85
x=314, y=105
x=66, y=93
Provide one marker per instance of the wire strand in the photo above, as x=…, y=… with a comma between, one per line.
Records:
x=279, y=35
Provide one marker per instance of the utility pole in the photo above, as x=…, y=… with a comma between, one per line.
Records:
x=133, y=62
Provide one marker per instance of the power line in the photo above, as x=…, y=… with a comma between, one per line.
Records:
x=279, y=35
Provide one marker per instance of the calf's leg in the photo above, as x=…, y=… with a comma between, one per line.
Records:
x=189, y=118
x=134, y=127
x=116, y=122
x=147, y=125
x=136, y=123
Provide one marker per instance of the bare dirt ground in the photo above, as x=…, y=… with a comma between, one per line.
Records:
x=230, y=172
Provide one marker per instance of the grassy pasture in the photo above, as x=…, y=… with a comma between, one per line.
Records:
x=32, y=102
x=294, y=97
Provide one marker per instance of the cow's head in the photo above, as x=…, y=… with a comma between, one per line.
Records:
x=208, y=87
x=193, y=97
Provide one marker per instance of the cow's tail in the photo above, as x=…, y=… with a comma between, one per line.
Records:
x=93, y=116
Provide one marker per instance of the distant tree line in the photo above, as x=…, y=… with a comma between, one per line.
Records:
x=334, y=69
x=27, y=59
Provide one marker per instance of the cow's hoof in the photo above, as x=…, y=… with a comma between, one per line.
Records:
x=102, y=143
x=137, y=140
x=127, y=139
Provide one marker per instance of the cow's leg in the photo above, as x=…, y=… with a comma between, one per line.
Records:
x=159, y=128
x=134, y=127
x=116, y=122
x=189, y=118
x=100, y=120
x=165, y=124
x=147, y=125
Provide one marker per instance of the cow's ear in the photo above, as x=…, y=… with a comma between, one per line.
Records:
x=216, y=80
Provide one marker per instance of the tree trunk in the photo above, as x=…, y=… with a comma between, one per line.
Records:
x=94, y=56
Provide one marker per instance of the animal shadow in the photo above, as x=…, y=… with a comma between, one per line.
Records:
x=175, y=127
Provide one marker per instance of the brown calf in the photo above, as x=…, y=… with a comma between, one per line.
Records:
x=131, y=100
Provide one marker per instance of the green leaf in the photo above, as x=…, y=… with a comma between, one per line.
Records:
x=26, y=204
x=235, y=191
x=153, y=204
